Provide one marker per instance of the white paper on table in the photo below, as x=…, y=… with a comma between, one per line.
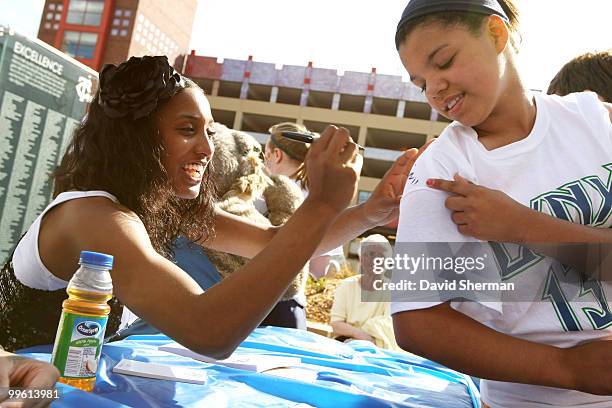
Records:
x=160, y=371
x=250, y=362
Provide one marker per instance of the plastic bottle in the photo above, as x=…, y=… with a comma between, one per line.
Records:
x=80, y=334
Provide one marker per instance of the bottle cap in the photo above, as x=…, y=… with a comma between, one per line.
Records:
x=96, y=258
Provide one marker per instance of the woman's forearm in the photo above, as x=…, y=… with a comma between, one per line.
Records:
x=350, y=224
x=256, y=287
x=245, y=238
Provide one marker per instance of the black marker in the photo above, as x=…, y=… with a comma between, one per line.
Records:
x=306, y=138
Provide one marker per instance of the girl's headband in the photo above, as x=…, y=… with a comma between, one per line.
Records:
x=419, y=8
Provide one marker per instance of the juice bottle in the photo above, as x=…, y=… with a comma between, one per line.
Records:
x=80, y=334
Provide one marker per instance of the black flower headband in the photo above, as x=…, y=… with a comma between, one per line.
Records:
x=136, y=86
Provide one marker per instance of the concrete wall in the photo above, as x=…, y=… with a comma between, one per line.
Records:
x=291, y=76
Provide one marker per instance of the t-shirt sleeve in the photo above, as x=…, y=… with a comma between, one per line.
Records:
x=423, y=216
x=338, y=311
x=425, y=219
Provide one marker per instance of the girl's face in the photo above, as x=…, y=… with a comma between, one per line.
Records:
x=185, y=127
x=458, y=71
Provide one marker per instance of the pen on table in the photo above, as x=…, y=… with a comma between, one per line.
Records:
x=306, y=138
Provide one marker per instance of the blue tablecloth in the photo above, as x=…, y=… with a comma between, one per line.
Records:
x=338, y=375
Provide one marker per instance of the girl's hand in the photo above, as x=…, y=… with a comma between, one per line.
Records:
x=489, y=215
x=383, y=205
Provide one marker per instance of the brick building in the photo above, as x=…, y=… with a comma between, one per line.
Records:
x=96, y=32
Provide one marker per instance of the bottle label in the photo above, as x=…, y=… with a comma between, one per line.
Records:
x=78, y=344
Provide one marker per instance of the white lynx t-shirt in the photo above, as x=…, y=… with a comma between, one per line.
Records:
x=562, y=168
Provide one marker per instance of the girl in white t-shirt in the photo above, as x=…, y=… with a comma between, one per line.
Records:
x=529, y=152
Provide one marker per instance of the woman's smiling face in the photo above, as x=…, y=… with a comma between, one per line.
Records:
x=458, y=70
x=185, y=126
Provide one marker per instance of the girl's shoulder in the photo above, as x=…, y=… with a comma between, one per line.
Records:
x=86, y=210
x=445, y=157
x=580, y=110
x=585, y=105
x=585, y=99
x=75, y=221
x=454, y=141
x=88, y=200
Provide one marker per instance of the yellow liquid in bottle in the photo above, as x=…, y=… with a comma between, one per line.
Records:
x=88, y=304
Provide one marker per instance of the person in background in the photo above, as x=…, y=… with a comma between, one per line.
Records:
x=359, y=311
x=587, y=72
x=286, y=157
x=24, y=373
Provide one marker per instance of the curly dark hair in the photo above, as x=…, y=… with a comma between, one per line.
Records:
x=122, y=155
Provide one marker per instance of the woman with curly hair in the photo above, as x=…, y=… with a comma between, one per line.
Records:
x=134, y=177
